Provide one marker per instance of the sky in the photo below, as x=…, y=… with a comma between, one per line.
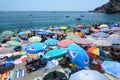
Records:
x=50, y=5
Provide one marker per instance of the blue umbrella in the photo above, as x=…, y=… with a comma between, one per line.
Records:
x=36, y=48
x=78, y=55
x=51, y=42
x=112, y=68
x=42, y=33
x=53, y=54
x=113, y=25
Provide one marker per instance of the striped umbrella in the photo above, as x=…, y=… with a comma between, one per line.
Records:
x=64, y=43
x=96, y=51
x=82, y=41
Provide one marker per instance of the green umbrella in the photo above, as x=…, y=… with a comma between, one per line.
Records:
x=63, y=28
x=8, y=33
x=72, y=36
x=53, y=54
x=14, y=43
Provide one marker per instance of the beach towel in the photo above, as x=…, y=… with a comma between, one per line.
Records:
x=20, y=73
x=12, y=75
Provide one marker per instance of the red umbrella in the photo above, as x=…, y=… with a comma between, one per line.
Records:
x=64, y=43
x=82, y=41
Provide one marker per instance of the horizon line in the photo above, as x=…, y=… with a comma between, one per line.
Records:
x=47, y=10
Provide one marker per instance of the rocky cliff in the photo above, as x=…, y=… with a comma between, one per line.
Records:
x=113, y=6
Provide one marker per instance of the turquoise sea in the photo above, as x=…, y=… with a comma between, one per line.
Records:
x=12, y=20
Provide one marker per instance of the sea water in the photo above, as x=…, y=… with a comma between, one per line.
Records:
x=23, y=20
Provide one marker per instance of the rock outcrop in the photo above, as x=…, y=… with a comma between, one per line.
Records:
x=113, y=6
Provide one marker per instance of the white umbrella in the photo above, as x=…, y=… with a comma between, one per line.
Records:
x=35, y=39
x=88, y=75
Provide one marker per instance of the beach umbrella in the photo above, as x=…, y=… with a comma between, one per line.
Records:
x=51, y=42
x=63, y=28
x=96, y=51
x=56, y=32
x=35, y=39
x=43, y=33
x=95, y=30
x=101, y=42
x=113, y=25
x=85, y=31
x=64, y=43
x=48, y=31
x=72, y=36
x=23, y=34
x=103, y=26
x=8, y=33
x=82, y=41
x=78, y=55
x=14, y=43
x=105, y=30
x=36, y=48
x=112, y=68
x=4, y=50
x=88, y=75
x=91, y=39
x=115, y=29
x=100, y=34
x=115, y=35
x=54, y=54
x=113, y=40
